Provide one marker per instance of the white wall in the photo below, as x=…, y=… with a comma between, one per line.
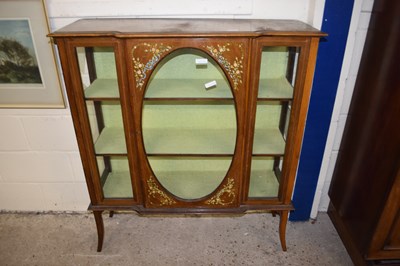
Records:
x=40, y=168
x=354, y=47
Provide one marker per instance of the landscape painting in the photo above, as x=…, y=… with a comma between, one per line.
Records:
x=18, y=61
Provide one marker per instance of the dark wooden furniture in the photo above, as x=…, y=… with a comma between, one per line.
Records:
x=188, y=116
x=365, y=189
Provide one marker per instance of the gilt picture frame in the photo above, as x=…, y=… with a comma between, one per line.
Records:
x=29, y=77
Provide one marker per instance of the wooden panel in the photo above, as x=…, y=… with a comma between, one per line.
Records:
x=233, y=50
x=365, y=183
x=394, y=237
x=386, y=240
x=186, y=27
x=102, y=89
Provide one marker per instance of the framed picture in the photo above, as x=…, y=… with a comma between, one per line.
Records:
x=28, y=72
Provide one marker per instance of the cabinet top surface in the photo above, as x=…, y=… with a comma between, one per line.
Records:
x=124, y=28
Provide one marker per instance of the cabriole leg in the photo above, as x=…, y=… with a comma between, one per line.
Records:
x=100, y=229
x=282, y=228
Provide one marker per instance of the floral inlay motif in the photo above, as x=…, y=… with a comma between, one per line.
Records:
x=159, y=196
x=235, y=68
x=227, y=192
x=140, y=69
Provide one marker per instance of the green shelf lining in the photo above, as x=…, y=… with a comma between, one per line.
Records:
x=263, y=184
x=102, y=88
x=273, y=88
x=118, y=185
x=111, y=141
x=276, y=88
x=190, y=141
x=191, y=184
x=268, y=141
x=187, y=88
x=197, y=184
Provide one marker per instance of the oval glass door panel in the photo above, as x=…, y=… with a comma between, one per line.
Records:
x=189, y=124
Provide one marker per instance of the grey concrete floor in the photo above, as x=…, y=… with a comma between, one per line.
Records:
x=252, y=239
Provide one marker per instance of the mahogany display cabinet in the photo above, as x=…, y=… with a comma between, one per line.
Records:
x=189, y=116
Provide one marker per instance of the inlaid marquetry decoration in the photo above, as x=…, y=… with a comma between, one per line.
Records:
x=225, y=196
x=155, y=50
x=233, y=68
x=156, y=195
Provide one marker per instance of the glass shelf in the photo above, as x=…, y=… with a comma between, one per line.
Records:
x=111, y=141
x=118, y=185
x=268, y=142
x=263, y=181
x=269, y=89
x=163, y=141
x=268, y=138
x=275, y=88
x=188, y=128
x=115, y=176
x=102, y=89
x=209, y=142
x=187, y=88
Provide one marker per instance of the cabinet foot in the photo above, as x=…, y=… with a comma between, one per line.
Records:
x=111, y=214
x=282, y=228
x=100, y=229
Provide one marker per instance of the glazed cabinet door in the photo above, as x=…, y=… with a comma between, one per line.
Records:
x=188, y=97
x=100, y=106
x=278, y=100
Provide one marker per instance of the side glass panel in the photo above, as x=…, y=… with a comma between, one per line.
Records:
x=99, y=81
x=275, y=94
x=189, y=124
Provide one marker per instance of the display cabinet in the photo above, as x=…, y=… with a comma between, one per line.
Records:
x=180, y=116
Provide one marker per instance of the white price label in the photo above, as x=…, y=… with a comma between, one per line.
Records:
x=210, y=84
x=201, y=61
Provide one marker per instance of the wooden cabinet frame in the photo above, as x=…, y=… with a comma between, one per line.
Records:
x=236, y=47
